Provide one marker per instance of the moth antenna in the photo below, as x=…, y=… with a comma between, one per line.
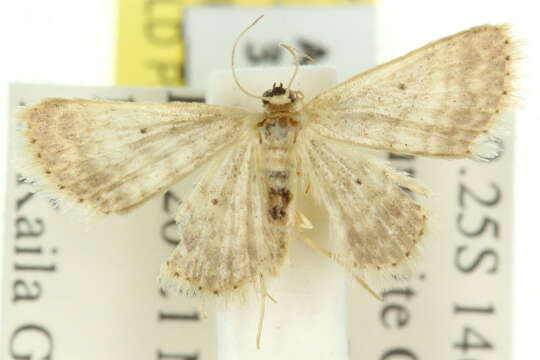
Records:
x=297, y=54
x=232, y=59
x=271, y=298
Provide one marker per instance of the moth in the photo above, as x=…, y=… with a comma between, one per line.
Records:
x=440, y=100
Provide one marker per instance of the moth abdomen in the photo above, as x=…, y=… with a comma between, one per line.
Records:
x=278, y=134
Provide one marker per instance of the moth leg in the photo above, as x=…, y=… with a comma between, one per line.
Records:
x=264, y=295
x=261, y=123
x=335, y=257
x=302, y=222
x=306, y=182
x=369, y=290
x=319, y=248
x=201, y=307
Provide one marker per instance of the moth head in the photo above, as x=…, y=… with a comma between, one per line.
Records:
x=278, y=95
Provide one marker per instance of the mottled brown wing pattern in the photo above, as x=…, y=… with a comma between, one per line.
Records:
x=226, y=239
x=114, y=155
x=435, y=101
x=375, y=224
x=439, y=100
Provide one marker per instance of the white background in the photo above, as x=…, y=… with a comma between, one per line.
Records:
x=73, y=42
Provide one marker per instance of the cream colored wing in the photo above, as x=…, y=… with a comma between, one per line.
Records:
x=435, y=101
x=114, y=155
x=226, y=240
x=376, y=225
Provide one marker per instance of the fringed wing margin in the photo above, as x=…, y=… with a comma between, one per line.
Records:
x=226, y=239
x=375, y=224
x=439, y=100
x=114, y=155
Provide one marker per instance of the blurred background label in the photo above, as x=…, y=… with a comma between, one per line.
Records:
x=339, y=36
x=151, y=48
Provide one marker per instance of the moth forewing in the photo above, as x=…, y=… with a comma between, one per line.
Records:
x=438, y=100
x=114, y=155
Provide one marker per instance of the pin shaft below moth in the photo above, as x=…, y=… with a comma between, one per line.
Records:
x=440, y=100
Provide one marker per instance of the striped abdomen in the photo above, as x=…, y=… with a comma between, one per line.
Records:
x=277, y=137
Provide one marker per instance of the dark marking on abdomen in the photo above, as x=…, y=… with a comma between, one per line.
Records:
x=282, y=193
x=277, y=212
x=279, y=199
x=284, y=174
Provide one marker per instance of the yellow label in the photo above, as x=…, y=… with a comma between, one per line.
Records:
x=150, y=43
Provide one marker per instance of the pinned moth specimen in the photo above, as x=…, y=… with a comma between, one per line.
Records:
x=235, y=228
